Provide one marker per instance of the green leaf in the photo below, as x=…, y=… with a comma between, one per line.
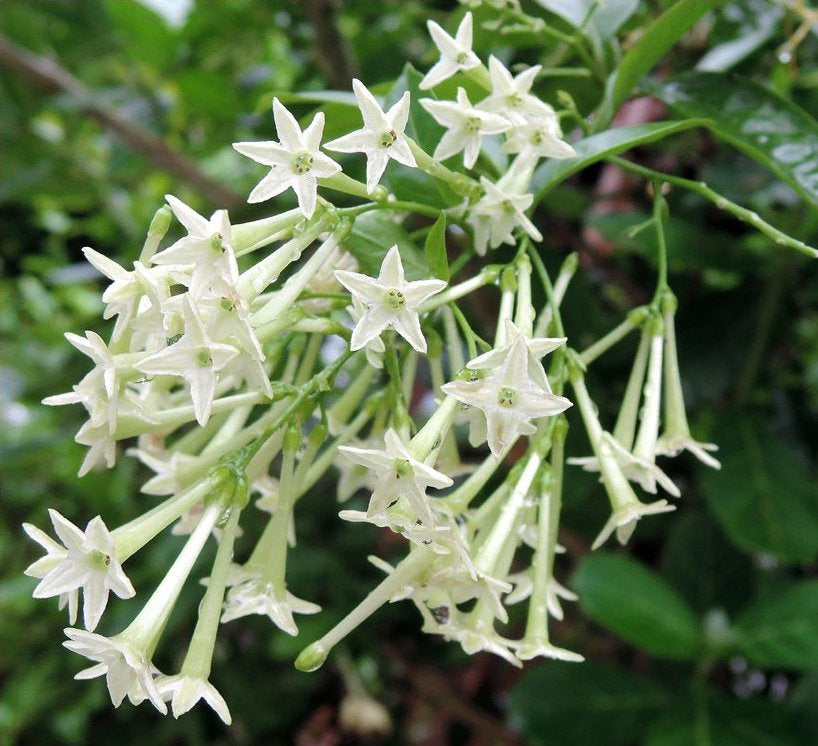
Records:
x=373, y=234
x=781, y=629
x=598, y=147
x=607, y=17
x=144, y=34
x=704, y=567
x=654, y=43
x=764, y=496
x=638, y=605
x=757, y=121
x=751, y=24
x=565, y=704
x=435, y=249
x=717, y=720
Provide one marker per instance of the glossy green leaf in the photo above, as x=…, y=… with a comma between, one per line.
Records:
x=654, y=43
x=630, y=600
x=607, y=17
x=373, y=234
x=764, y=496
x=435, y=249
x=752, y=23
x=598, y=147
x=570, y=704
x=754, y=119
x=781, y=630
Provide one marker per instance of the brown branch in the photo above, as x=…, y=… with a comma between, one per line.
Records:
x=47, y=75
x=330, y=48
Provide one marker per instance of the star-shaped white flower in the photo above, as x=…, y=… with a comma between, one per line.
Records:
x=252, y=593
x=86, y=560
x=185, y=691
x=646, y=474
x=465, y=125
x=624, y=519
x=672, y=444
x=194, y=357
x=126, y=667
x=496, y=214
x=540, y=138
x=127, y=289
x=391, y=302
x=382, y=136
x=455, y=53
x=56, y=554
x=399, y=474
x=296, y=160
x=207, y=248
x=511, y=97
x=510, y=398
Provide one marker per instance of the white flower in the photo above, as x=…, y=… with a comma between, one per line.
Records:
x=127, y=670
x=465, y=125
x=646, y=474
x=296, y=160
x=185, y=691
x=390, y=300
x=510, y=398
x=101, y=446
x=455, y=53
x=623, y=520
x=528, y=649
x=399, y=474
x=90, y=392
x=373, y=349
x=495, y=215
x=381, y=138
x=474, y=641
x=56, y=554
x=86, y=560
x=207, y=248
x=673, y=444
x=127, y=289
x=194, y=357
x=540, y=138
x=252, y=593
x=524, y=585
x=510, y=95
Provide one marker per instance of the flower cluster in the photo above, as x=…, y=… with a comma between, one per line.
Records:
x=222, y=365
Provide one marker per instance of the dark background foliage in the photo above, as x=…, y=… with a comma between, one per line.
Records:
x=704, y=632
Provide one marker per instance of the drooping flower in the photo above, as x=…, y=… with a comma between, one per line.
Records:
x=455, y=52
x=496, y=214
x=510, y=397
x=465, y=127
x=391, y=302
x=623, y=520
x=399, y=474
x=86, y=560
x=185, y=691
x=295, y=159
x=382, y=136
x=126, y=667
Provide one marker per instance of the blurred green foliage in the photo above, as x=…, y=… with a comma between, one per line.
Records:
x=706, y=632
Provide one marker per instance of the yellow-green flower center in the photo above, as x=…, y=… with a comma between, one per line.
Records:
x=303, y=163
x=387, y=139
x=473, y=124
x=99, y=560
x=514, y=99
x=203, y=357
x=394, y=299
x=507, y=396
x=403, y=468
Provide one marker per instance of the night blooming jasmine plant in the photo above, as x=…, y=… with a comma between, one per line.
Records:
x=249, y=362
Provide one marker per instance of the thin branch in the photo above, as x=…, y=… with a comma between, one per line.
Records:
x=50, y=77
x=330, y=48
